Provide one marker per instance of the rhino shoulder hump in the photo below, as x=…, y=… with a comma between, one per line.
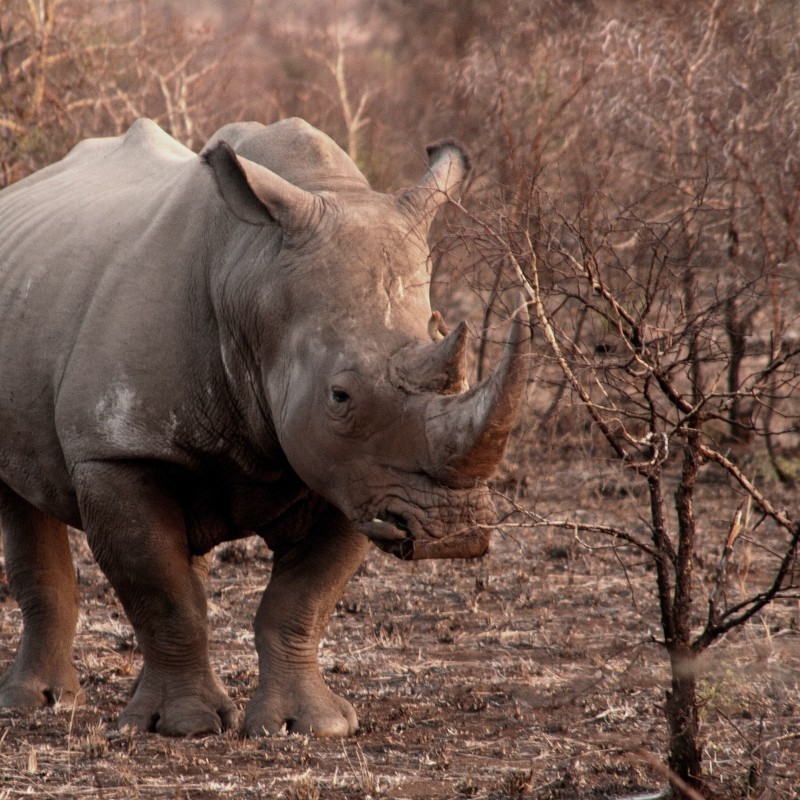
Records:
x=146, y=135
x=143, y=141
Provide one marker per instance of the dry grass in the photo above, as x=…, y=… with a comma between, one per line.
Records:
x=534, y=673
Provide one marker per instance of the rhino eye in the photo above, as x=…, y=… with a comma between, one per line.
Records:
x=339, y=395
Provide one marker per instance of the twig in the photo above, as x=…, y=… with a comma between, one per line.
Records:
x=658, y=765
x=779, y=516
x=535, y=520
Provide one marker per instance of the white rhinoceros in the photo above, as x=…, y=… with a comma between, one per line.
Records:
x=197, y=348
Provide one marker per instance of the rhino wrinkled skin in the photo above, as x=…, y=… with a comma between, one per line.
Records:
x=197, y=348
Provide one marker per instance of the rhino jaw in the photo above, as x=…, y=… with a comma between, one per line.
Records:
x=389, y=537
x=394, y=534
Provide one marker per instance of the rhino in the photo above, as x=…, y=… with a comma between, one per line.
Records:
x=196, y=348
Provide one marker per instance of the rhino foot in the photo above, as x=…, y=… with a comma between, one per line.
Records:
x=308, y=706
x=189, y=706
x=31, y=691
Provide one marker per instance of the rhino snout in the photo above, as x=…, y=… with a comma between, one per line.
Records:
x=406, y=537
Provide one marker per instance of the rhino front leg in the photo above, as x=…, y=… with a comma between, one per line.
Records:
x=41, y=577
x=137, y=534
x=307, y=580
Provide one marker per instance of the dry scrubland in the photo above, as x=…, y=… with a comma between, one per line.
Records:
x=637, y=182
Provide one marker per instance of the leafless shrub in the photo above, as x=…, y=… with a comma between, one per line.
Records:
x=648, y=212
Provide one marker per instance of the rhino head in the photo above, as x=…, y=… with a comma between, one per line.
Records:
x=365, y=389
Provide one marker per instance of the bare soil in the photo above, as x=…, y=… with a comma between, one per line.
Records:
x=536, y=672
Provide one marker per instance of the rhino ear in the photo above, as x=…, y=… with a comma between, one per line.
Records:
x=257, y=195
x=448, y=165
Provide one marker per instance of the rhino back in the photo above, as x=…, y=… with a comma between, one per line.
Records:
x=96, y=259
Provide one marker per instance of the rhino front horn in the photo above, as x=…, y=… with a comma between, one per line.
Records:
x=467, y=433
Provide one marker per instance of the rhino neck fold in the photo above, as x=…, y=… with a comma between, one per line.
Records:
x=245, y=341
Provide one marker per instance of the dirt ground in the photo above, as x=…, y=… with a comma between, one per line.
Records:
x=535, y=672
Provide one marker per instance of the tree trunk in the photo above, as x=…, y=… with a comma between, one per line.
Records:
x=685, y=750
x=736, y=329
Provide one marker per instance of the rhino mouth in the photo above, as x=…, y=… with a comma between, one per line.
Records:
x=392, y=533
x=401, y=534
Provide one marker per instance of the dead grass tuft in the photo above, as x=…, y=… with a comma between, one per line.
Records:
x=303, y=787
x=517, y=783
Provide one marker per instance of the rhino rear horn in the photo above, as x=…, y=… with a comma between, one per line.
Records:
x=257, y=195
x=467, y=433
x=448, y=165
x=438, y=366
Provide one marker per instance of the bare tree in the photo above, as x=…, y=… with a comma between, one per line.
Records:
x=648, y=210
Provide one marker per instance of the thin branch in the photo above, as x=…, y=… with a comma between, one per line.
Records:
x=534, y=293
x=779, y=516
x=9, y=124
x=534, y=520
x=750, y=607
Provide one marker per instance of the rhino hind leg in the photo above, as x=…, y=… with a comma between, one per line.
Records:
x=137, y=534
x=307, y=580
x=41, y=578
